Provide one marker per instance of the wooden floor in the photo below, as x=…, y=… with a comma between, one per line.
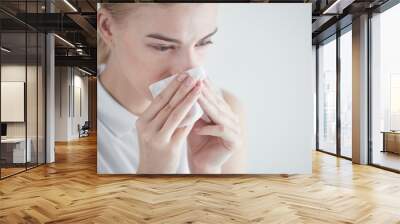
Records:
x=10, y=171
x=387, y=159
x=70, y=191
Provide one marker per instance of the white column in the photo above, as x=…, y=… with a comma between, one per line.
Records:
x=50, y=92
x=50, y=110
x=360, y=90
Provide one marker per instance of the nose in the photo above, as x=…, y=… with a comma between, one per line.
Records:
x=186, y=60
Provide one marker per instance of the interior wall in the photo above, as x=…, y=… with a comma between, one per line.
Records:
x=314, y=74
x=69, y=112
x=33, y=126
x=92, y=107
x=61, y=103
x=80, y=109
x=17, y=73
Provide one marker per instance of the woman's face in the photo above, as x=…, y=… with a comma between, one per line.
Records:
x=156, y=41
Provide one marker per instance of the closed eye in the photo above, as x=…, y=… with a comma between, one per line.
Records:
x=162, y=48
x=204, y=43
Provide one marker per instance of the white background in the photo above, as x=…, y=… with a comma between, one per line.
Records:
x=263, y=55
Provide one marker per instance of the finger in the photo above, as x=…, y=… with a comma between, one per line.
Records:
x=180, y=112
x=163, y=98
x=225, y=112
x=181, y=134
x=180, y=94
x=218, y=131
x=214, y=96
x=209, y=108
x=209, y=85
x=214, y=113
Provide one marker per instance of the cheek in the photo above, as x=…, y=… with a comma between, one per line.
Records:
x=135, y=63
x=202, y=54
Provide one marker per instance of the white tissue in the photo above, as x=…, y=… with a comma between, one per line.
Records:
x=196, y=112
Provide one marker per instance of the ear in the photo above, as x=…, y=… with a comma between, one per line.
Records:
x=105, y=23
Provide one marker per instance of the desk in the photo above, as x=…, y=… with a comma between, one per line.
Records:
x=13, y=150
x=391, y=141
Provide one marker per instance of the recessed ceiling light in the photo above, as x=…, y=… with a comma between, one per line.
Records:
x=5, y=50
x=64, y=40
x=86, y=72
x=70, y=5
x=337, y=6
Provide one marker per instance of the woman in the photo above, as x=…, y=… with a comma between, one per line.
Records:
x=141, y=44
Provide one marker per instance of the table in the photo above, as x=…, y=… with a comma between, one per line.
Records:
x=391, y=141
x=13, y=150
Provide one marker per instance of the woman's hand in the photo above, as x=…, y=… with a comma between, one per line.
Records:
x=160, y=139
x=212, y=144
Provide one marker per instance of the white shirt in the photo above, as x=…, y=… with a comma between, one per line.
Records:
x=117, y=142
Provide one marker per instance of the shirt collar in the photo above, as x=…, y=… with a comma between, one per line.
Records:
x=113, y=115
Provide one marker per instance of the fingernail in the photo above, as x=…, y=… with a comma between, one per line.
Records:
x=189, y=81
x=181, y=77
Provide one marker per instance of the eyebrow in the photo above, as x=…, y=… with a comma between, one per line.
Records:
x=168, y=39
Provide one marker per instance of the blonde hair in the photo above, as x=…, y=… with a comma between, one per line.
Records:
x=118, y=11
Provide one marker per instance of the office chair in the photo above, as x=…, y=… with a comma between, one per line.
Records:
x=84, y=130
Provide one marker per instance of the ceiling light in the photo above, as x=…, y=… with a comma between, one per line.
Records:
x=70, y=5
x=84, y=71
x=331, y=7
x=5, y=50
x=338, y=6
x=64, y=40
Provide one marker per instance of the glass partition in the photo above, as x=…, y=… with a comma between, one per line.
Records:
x=13, y=109
x=22, y=77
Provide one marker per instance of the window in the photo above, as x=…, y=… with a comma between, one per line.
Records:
x=385, y=88
x=327, y=96
x=346, y=94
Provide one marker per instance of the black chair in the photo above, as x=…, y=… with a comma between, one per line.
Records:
x=84, y=130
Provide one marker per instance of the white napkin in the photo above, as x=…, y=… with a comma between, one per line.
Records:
x=196, y=112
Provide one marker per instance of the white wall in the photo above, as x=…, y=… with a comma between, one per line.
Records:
x=263, y=55
x=18, y=73
x=68, y=82
x=61, y=103
x=33, y=127
x=314, y=74
x=80, y=83
x=14, y=73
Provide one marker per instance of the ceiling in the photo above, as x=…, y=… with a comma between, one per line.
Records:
x=75, y=22
x=76, y=25
x=329, y=16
